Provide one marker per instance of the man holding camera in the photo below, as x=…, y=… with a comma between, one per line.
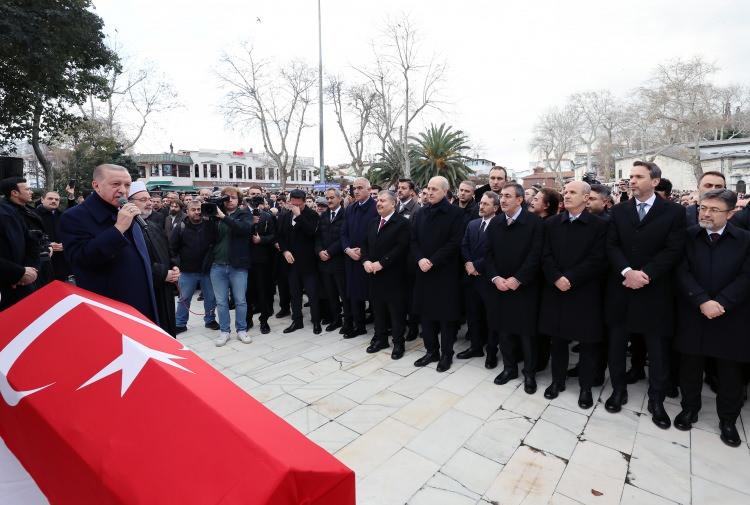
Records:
x=231, y=261
x=19, y=253
x=260, y=282
x=49, y=213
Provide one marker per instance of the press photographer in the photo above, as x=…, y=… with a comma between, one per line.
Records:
x=260, y=282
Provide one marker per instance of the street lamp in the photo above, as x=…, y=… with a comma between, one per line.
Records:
x=320, y=97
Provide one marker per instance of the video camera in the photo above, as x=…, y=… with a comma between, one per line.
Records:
x=211, y=205
x=43, y=241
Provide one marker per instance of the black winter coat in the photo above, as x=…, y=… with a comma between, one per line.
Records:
x=353, y=230
x=720, y=272
x=158, y=252
x=654, y=245
x=390, y=247
x=437, y=232
x=300, y=239
x=328, y=238
x=241, y=224
x=575, y=251
x=265, y=228
x=17, y=251
x=51, y=226
x=190, y=243
x=515, y=251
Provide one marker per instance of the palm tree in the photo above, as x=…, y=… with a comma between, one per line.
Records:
x=439, y=151
x=388, y=168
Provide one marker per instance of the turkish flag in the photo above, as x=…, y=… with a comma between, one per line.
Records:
x=101, y=406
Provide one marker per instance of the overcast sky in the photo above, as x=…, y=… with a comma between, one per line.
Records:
x=507, y=61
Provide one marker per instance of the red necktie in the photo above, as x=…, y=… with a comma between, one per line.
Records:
x=382, y=223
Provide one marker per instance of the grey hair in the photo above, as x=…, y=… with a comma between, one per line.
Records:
x=492, y=196
x=520, y=192
x=442, y=181
x=390, y=194
x=336, y=192
x=727, y=196
x=99, y=171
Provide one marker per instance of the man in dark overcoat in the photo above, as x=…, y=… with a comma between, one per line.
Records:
x=297, y=244
x=331, y=262
x=384, y=253
x=408, y=207
x=437, y=231
x=573, y=262
x=645, y=241
x=514, y=252
x=105, y=247
x=477, y=290
x=714, y=300
x=358, y=216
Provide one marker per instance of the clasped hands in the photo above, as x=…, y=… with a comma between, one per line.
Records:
x=712, y=309
x=511, y=283
x=635, y=279
x=372, y=267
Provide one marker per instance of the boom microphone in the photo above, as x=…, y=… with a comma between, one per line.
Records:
x=140, y=220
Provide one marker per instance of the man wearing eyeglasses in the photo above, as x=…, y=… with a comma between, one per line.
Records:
x=714, y=290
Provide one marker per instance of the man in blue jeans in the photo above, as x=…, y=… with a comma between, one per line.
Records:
x=231, y=261
x=189, y=245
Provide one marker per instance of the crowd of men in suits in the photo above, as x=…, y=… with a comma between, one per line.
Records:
x=529, y=272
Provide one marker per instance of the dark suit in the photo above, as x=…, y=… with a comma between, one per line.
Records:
x=515, y=251
x=477, y=292
x=717, y=271
x=299, y=239
x=436, y=235
x=408, y=211
x=262, y=255
x=388, y=245
x=691, y=215
x=51, y=226
x=742, y=219
x=333, y=271
x=574, y=250
x=171, y=221
x=655, y=246
x=353, y=230
x=17, y=251
x=106, y=261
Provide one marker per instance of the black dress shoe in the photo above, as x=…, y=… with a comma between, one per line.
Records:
x=729, y=434
x=685, y=419
x=573, y=372
x=413, y=333
x=490, y=362
x=430, y=357
x=347, y=328
x=293, y=327
x=598, y=381
x=370, y=318
x=317, y=328
x=615, y=402
x=180, y=329
x=445, y=363
x=585, y=400
x=282, y=313
x=553, y=390
x=398, y=350
x=336, y=323
x=672, y=392
x=634, y=375
x=506, y=376
x=355, y=333
x=213, y=325
x=470, y=353
x=377, y=345
x=658, y=415
x=529, y=384
x=264, y=328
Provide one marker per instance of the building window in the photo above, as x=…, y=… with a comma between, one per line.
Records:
x=183, y=171
x=213, y=173
x=205, y=171
x=260, y=173
x=231, y=172
x=154, y=170
x=238, y=168
x=304, y=175
x=141, y=171
x=197, y=170
x=166, y=170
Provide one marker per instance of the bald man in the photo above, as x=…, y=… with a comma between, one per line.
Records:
x=436, y=247
x=105, y=246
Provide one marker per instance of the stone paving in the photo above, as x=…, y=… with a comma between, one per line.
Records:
x=421, y=437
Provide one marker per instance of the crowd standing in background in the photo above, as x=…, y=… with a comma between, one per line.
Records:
x=635, y=268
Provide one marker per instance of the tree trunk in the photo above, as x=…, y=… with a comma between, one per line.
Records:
x=49, y=179
x=697, y=167
x=405, y=138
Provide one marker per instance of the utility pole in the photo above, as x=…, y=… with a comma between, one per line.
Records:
x=320, y=97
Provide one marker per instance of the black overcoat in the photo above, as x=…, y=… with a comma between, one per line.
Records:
x=389, y=246
x=161, y=263
x=353, y=230
x=300, y=239
x=574, y=250
x=436, y=234
x=720, y=272
x=654, y=245
x=328, y=238
x=515, y=251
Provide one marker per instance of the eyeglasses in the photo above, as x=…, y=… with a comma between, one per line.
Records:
x=711, y=210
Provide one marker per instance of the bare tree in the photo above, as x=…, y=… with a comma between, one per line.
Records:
x=352, y=104
x=386, y=112
x=590, y=107
x=556, y=135
x=275, y=100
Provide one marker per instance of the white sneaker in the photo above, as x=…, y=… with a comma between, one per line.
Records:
x=222, y=339
x=244, y=337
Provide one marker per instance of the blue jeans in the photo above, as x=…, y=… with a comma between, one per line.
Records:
x=224, y=278
x=188, y=283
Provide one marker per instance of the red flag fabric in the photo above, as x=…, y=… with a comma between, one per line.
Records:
x=100, y=406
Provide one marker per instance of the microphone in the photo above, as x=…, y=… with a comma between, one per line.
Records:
x=140, y=220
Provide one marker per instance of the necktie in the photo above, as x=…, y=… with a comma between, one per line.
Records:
x=714, y=236
x=382, y=223
x=641, y=211
x=509, y=220
x=482, y=226
x=333, y=216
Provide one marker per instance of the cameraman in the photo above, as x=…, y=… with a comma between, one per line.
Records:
x=190, y=247
x=231, y=261
x=49, y=213
x=260, y=281
x=19, y=253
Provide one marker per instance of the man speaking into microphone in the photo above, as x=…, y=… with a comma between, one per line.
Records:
x=105, y=246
